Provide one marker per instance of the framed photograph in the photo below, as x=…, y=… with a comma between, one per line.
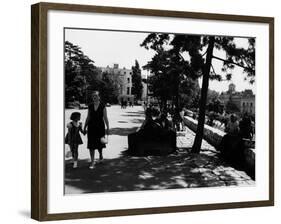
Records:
x=139, y=111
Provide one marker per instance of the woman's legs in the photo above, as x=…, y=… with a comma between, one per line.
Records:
x=92, y=154
x=100, y=153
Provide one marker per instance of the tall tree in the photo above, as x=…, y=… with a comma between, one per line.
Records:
x=204, y=91
x=136, y=81
x=235, y=56
x=109, y=88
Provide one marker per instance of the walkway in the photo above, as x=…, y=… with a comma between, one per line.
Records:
x=120, y=172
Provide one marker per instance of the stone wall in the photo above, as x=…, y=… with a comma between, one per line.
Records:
x=214, y=137
x=211, y=135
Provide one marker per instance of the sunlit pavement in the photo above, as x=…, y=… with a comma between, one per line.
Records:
x=120, y=172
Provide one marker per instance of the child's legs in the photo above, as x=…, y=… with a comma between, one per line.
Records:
x=74, y=151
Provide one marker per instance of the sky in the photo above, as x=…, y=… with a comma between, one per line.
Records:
x=106, y=48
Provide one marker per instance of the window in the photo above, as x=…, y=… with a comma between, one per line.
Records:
x=128, y=80
x=128, y=90
x=251, y=104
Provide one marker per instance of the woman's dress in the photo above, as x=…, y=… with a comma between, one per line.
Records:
x=96, y=127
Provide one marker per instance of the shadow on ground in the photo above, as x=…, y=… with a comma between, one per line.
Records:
x=126, y=173
x=122, y=131
x=136, y=113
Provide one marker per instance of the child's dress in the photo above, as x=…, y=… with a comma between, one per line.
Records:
x=73, y=137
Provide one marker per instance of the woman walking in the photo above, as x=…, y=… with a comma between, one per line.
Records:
x=95, y=127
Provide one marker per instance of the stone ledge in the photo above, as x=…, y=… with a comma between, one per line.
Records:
x=214, y=137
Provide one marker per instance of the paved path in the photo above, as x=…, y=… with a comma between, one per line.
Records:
x=120, y=172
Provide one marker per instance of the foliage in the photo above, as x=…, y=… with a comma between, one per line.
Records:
x=169, y=79
x=136, y=81
x=80, y=74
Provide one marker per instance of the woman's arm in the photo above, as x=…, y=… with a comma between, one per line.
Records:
x=87, y=121
x=106, y=120
x=81, y=129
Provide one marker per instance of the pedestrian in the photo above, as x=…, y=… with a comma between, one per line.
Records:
x=181, y=113
x=178, y=119
x=144, y=106
x=73, y=138
x=95, y=127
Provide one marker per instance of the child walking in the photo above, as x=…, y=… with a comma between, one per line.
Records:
x=73, y=138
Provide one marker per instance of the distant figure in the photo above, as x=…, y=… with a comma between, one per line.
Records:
x=73, y=138
x=245, y=125
x=95, y=126
x=182, y=118
x=178, y=119
x=144, y=106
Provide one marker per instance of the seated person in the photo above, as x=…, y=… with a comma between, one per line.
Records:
x=164, y=122
x=151, y=115
x=231, y=145
x=245, y=125
x=153, y=134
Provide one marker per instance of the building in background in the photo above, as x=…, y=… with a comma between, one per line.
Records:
x=123, y=77
x=244, y=101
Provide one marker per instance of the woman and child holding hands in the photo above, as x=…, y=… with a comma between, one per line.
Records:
x=94, y=127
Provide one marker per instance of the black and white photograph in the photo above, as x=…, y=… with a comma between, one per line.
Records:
x=157, y=111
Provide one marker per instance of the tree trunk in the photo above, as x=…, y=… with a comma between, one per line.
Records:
x=203, y=99
x=176, y=89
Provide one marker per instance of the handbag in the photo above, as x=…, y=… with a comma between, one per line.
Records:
x=104, y=139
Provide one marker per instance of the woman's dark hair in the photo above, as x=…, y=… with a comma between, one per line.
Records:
x=75, y=116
